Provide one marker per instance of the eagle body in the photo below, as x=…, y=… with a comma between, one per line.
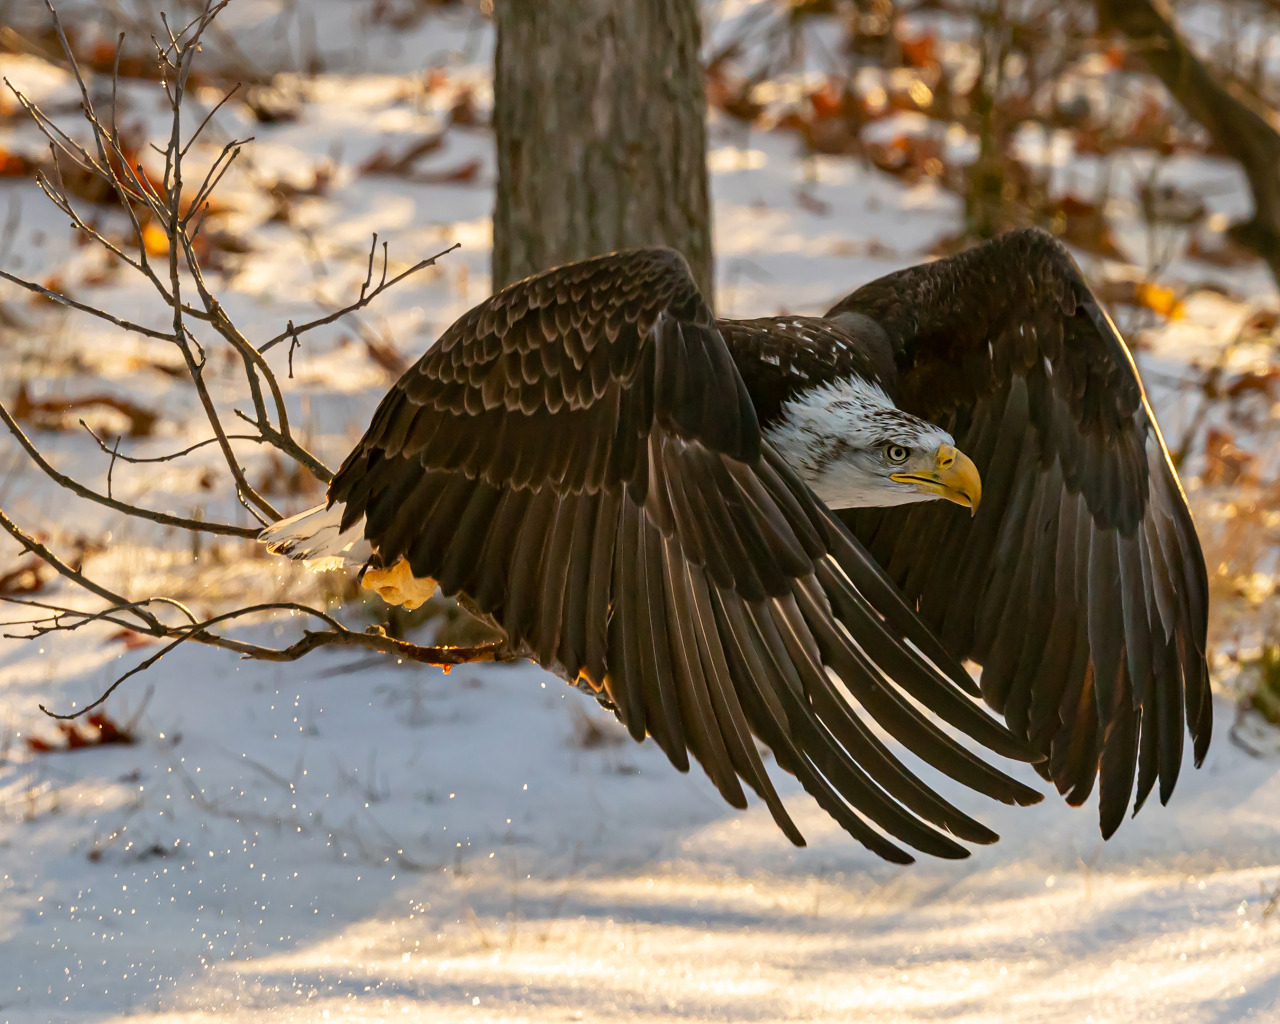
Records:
x=726, y=529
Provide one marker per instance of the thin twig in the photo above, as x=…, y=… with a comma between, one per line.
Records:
x=208, y=117
x=337, y=635
x=249, y=497
x=141, y=459
x=111, y=466
x=85, y=618
x=140, y=190
x=294, y=345
x=214, y=176
x=73, y=485
x=360, y=303
x=36, y=548
x=70, y=303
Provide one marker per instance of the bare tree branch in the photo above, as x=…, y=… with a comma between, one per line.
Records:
x=150, y=200
x=365, y=298
x=75, y=487
x=142, y=459
x=151, y=623
x=64, y=619
x=70, y=303
x=1240, y=123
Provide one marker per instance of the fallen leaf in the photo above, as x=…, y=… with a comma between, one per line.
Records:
x=155, y=240
x=1160, y=299
x=1220, y=251
x=1263, y=383
x=1143, y=294
x=385, y=356
x=1263, y=321
x=733, y=94
x=101, y=732
x=806, y=200
x=28, y=578
x=464, y=112
x=384, y=162
x=1225, y=463
x=130, y=638
x=15, y=165
x=464, y=172
x=53, y=413
x=919, y=51
x=1084, y=224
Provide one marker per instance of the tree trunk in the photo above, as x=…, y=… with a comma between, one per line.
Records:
x=599, y=114
x=1241, y=125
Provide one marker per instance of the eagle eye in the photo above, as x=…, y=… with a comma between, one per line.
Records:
x=897, y=454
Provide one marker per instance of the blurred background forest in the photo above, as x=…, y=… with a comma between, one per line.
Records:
x=844, y=139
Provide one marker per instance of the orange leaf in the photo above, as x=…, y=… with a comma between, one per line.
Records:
x=131, y=639
x=1224, y=462
x=15, y=165
x=1160, y=299
x=921, y=52
x=155, y=240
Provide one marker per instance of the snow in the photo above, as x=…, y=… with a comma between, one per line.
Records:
x=348, y=839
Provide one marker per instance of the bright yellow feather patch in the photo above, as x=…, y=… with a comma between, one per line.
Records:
x=398, y=585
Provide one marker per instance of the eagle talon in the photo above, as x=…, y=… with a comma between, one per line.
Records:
x=398, y=585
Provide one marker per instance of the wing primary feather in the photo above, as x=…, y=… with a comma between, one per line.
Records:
x=462, y=557
x=900, y=718
x=426, y=552
x=734, y=726
x=491, y=571
x=904, y=665
x=1133, y=606
x=524, y=575
x=1002, y=627
x=774, y=722
x=696, y=709
x=418, y=506
x=1119, y=756
x=875, y=590
x=574, y=609
x=625, y=680
x=556, y=567
x=600, y=595
x=852, y=734
x=1051, y=677
x=1041, y=611
x=662, y=709
x=1106, y=622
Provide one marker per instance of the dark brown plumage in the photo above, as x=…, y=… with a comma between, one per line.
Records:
x=1080, y=586
x=581, y=456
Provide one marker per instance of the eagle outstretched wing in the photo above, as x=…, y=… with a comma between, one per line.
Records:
x=1080, y=585
x=579, y=456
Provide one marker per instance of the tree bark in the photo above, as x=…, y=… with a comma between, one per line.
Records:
x=1241, y=125
x=599, y=113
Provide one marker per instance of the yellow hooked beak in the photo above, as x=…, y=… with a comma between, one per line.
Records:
x=954, y=477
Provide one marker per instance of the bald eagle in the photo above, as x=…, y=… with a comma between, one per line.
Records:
x=732, y=530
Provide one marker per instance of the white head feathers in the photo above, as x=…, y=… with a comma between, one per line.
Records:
x=836, y=436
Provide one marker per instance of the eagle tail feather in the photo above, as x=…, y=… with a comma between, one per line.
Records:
x=315, y=537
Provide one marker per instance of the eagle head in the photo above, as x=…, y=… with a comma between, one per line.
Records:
x=856, y=449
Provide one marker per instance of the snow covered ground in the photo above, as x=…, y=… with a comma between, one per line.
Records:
x=347, y=839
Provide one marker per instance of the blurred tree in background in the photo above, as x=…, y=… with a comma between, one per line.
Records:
x=599, y=118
